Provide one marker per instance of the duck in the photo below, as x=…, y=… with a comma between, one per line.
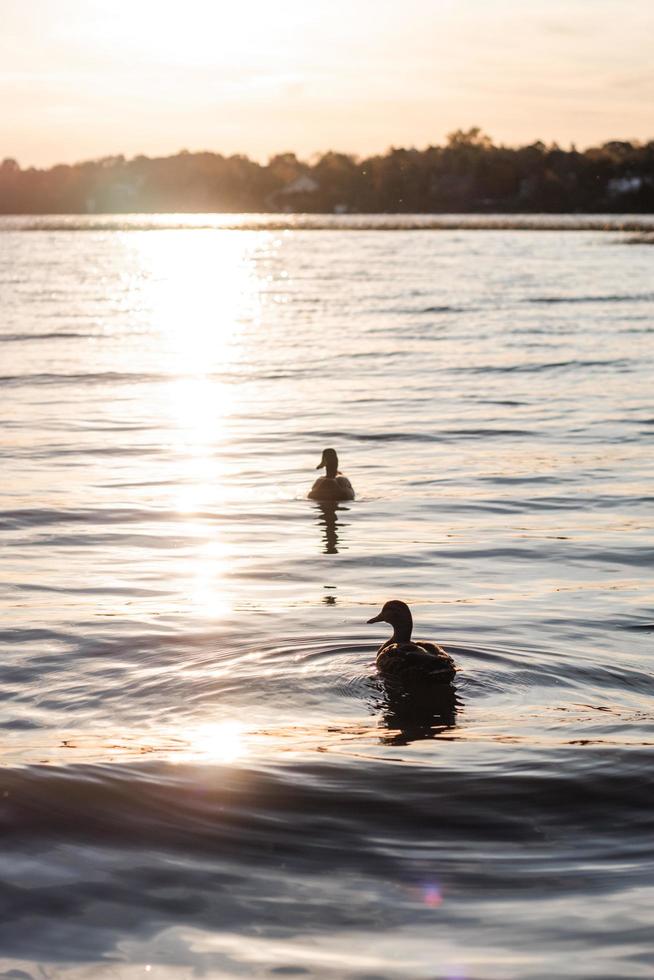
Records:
x=333, y=486
x=403, y=659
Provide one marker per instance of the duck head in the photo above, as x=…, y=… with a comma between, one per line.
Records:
x=329, y=461
x=398, y=615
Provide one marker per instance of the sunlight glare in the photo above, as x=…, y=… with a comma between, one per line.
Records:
x=216, y=742
x=198, y=288
x=206, y=593
x=198, y=292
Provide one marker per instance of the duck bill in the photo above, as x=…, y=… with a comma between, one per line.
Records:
x=376, y=619
x=320, y=466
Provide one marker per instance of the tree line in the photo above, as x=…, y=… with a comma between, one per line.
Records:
x=469, y=173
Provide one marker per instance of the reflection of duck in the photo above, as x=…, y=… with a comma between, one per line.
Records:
x=333, y=486
x=404, y=660
x=329, y=522
x=416, y=714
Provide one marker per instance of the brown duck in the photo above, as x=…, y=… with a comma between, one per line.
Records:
x=403, y=659
x=332, y=486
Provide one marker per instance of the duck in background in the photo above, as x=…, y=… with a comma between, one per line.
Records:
x=402, y=659
x=332, y=486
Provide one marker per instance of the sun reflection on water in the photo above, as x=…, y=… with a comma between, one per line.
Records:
x=206, y=591
x=198, y=290
x=222, y=742
x=199, y=294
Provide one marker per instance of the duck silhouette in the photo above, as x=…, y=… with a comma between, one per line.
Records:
x=332, y=486
x=405, y=660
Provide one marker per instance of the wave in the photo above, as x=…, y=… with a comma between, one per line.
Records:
x=572, y=364
x=348, y=817
x=15, y=338
x=84, y=378
x=283, y=865
x=375, y=436
x=423, y=309
x=615, y=298
x=27, y=517
x=117, y=378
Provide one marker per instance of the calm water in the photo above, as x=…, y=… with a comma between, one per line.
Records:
x=201, y=775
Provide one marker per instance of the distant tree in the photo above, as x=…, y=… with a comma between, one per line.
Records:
x=469, y=137
x=468, y=173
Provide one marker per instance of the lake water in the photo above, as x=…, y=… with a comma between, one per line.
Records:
x=201, y=774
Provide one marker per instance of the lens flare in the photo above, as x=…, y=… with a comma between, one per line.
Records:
x=432, y=896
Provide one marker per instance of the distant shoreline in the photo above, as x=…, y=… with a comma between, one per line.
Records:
x=275, y=222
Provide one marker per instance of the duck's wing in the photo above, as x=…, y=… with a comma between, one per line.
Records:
x=435, y=665
x=345, y=485
x=443, y=665
x=432, y=661
x=315, y=489
x=434, y=650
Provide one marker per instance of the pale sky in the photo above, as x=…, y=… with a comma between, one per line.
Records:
x=88, y=78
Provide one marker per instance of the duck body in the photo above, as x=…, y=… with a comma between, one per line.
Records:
x=414, y=662
x=408, y=661
x=332, y=486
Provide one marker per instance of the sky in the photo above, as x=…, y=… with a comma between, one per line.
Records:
x=81, y=79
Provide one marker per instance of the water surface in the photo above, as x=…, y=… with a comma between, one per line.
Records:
x=201, y=774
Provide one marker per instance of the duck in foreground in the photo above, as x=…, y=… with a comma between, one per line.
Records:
x=333, y=486
x=401, y=658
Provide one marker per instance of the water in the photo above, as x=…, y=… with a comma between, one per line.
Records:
x=201, y=774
